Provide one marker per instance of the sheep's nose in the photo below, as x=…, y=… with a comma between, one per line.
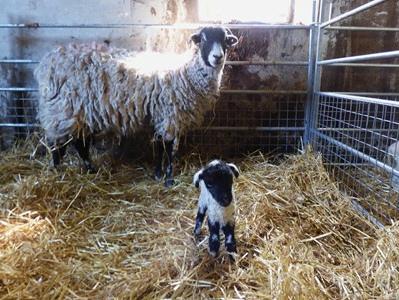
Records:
x=217, y=57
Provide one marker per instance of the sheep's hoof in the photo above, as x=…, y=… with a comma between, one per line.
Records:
x=158, y=178
x=169, y=182
x=92, y=170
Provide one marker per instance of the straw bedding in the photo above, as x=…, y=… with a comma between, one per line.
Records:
x=120, y=235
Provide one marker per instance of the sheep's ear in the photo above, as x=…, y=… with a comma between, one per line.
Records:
x=195, y=38
x=234, y=169
x=197, y=178
x=231, y=39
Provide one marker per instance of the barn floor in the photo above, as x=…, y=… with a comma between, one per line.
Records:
x=119, y=234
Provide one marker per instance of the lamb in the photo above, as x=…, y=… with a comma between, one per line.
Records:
x=91, y=91
x=217, y=198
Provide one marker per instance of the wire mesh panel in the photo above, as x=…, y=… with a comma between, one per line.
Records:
x=271, y=124
x=17, y=117
x=356, y=125
x=354, y=134
x=262, y=100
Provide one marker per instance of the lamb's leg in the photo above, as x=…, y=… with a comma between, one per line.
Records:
x=158, y=160
x=169, y=164
x=199, y=220
x=83, y=147
x=214, y=238
x=230, y=241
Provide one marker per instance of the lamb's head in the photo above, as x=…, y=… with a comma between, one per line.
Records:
x=217, y=178
x=213, y=43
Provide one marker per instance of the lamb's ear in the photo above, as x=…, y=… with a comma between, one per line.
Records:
x=197, y=178
x=234, y=169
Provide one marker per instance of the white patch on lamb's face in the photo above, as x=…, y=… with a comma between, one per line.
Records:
x=216, y=55
x=214, y=162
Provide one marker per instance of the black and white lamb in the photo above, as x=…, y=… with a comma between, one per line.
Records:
x=217, y=200
x=94, y=90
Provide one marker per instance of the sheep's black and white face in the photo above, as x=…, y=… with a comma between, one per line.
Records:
x=213, y=42
x=218, y=179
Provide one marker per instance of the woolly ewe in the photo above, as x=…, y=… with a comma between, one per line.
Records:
x=88, y=91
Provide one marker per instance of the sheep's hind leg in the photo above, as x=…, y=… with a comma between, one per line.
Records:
x=83, y=147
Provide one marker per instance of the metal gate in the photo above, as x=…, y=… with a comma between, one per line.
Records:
x=354, y=129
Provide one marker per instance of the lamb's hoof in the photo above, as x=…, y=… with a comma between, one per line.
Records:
x=197, y=237
x=213, y=253
x=169, y=183
x=232, y=256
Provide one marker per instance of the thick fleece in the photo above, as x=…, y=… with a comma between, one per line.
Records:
x=98, y=90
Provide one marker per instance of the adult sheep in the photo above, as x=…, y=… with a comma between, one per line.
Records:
x=93, y=90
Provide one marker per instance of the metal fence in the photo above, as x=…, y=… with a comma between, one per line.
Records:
x=243, y=121
x=353, y=130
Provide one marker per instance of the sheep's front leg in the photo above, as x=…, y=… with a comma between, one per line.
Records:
x=83, y=148
x=57, y=154
x=164, y=146
x=199, y=220
x=230, y=241
x=158, y=160
x=214, y=237
x=169, y=164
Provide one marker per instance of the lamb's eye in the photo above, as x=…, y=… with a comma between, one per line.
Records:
x=209, y=185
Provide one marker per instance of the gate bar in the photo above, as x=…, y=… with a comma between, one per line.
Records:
x=389, y=54
x=352, y=12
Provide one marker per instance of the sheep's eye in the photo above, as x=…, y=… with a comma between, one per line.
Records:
x=209, y=185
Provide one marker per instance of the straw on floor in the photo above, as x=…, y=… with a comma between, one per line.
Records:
x=120, y=235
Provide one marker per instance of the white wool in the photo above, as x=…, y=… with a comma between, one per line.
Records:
x=216, y=212
x=95, y=89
